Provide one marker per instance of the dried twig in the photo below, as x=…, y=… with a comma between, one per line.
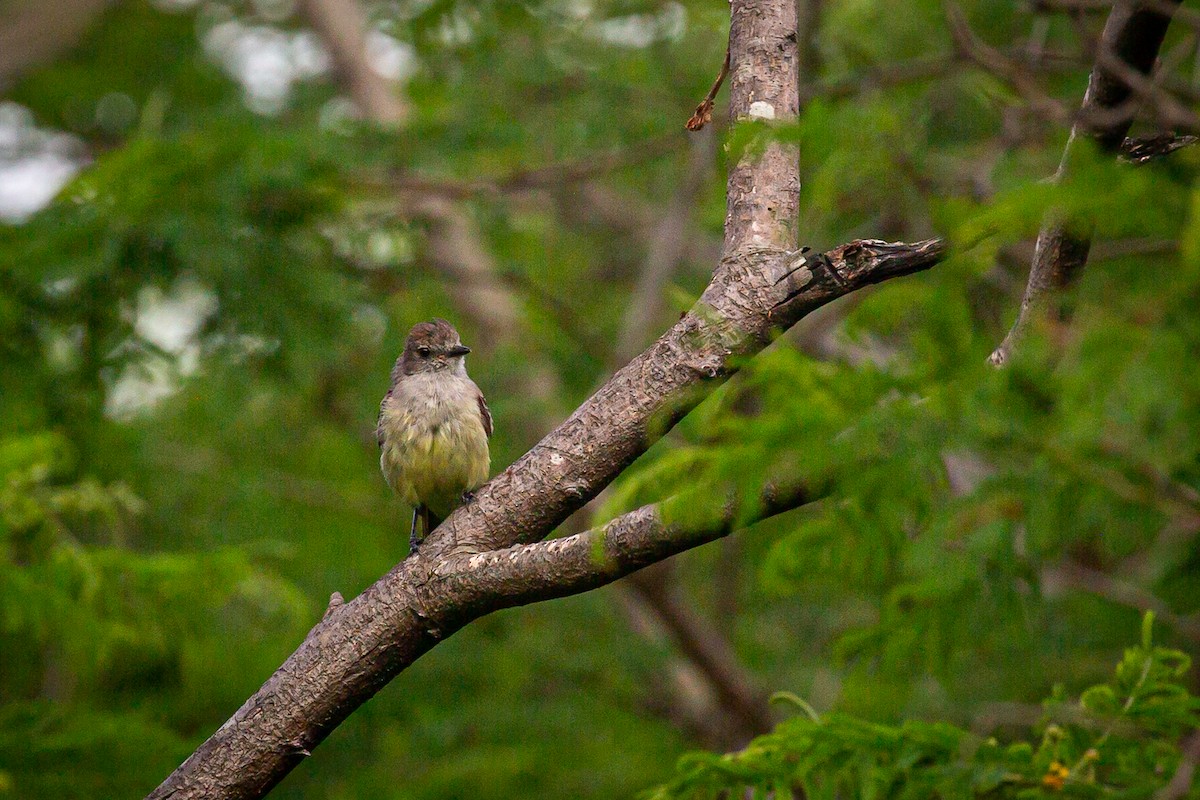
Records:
x=703, y=114
x=1144, y=149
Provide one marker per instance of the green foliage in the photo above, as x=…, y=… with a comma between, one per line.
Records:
x=1119, y=739
x=195, y=334
x=86, y=617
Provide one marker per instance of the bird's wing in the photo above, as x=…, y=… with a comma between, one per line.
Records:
x=379, y=419
x=484, y=414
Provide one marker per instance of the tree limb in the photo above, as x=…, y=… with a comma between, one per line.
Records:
x=760, y=287
x=1132, y=37
x=528, y=573
x=367, y=641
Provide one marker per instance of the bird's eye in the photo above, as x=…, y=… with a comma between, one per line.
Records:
x=423, y=352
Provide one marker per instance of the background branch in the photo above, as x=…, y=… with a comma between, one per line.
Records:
x=342, y=26
x=1132, y=37
x=33, y=32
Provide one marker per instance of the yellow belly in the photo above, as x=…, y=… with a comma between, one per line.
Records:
x=433, y=465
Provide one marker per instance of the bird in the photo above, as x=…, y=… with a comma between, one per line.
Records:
x=433, y=427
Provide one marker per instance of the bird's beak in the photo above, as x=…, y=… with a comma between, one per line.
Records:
x=459, y=350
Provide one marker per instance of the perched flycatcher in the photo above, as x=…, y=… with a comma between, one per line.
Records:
x=433, y=427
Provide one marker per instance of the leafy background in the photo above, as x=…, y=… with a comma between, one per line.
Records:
x=195, y=333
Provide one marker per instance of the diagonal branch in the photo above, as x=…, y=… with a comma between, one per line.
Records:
x=457, y=249
x=760, y=287
x=528, y=573
x=364, y=643
x=709, y=650
x=1131, y=39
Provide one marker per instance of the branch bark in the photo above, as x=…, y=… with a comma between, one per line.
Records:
x=367, y=641
x=737, y=711
x=488, y=554
x=1131, y=39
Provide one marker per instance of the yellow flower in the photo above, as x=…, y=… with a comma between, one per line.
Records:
x=1056, y=776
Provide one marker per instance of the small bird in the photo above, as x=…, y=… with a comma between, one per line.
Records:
x=433, y=427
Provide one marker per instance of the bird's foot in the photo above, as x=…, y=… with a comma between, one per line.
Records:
x=468, y=496
x=413, y=539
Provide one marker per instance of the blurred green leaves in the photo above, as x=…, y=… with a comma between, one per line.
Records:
x=1120, y=739
x=241, y=282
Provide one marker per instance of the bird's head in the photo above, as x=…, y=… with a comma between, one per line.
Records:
x=433, y=346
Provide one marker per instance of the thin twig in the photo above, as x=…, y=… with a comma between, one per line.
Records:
x=1000, y=65
x=703, y=114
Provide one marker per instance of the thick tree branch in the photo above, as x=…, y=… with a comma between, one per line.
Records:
x=761, y=286
x=367, y=641
x=1131, y=39
x=763, y=194
x=528, y=573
